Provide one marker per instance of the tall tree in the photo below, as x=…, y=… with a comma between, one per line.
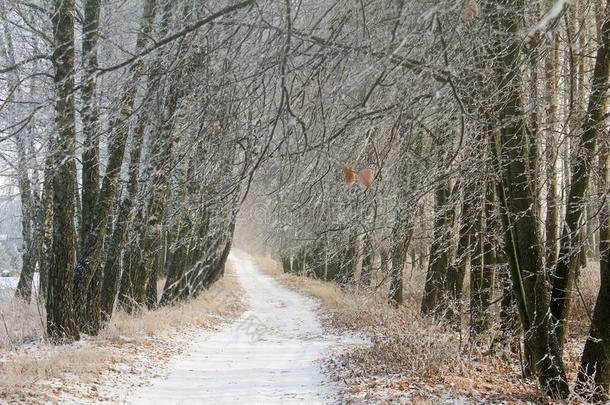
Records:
x=572, y=237
x=524, y=246
x=26, y=194
x=551, y=67
x=593, y=380
x=89, y=268
x=90, y=155
x=61, y=319
x=439, y=252
x=90, y=116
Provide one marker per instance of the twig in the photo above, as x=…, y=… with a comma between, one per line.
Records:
x=584, y=304
x=38, y=301
x=521, y=361
x=8, y=335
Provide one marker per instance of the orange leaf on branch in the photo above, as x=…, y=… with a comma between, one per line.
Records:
x=365, y=177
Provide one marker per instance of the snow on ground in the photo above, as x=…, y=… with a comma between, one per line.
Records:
x=270, y=355
x=10, y=283
x=109, y=368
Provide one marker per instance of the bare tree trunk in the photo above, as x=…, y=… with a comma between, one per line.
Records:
x=482, y=279
x=24, y=287
x=61, y=319
x=45, y=235
x=112, y=266
x=182, y=245
x=439, y=252
x=90, y=156
x=89, y=263
x=573, y=235
x=477, y=324
x=508, y=338
x=27, y=197
x=401, y=238
x=90, y=116
x=286, y=264
x=151, y=287
x=367, y=261
x=551, y=133
x=160, y=167
x=524, y=243
x=457, y=272
x=593, y=380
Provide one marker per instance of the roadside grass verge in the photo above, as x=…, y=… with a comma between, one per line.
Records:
x=126, y=352
x=415, y=360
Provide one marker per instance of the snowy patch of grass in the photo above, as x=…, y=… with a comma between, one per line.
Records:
x=410, y=359
x=222, y=299
x=401, y=340
x=22, y=369
x=20, y=322
x=37, y=371
x=585, y=295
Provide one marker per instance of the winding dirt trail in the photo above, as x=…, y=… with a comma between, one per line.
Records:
x=270, y=355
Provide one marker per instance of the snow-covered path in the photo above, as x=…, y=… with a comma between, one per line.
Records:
x=267, y=356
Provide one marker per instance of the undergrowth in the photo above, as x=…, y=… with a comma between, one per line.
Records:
x=420, y=358
x=28, y=361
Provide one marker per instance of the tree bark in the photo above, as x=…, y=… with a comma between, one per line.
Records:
x=28, y=258
x=90, y=155
x=112, y=266
x=477, y=323
x=524, y=243
x=439, y=253
x=551, y=67
x=61, y=320
x=24, y=286
x=160, y=167
x=401, y=238
x=593, y=381
x=482, y=287
x=88, y=267
x=368, y=257
x=45, y=236
x=573, y=235
x=457, y=272
x=90, y=115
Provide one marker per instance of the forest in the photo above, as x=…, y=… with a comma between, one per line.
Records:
x=355, y=142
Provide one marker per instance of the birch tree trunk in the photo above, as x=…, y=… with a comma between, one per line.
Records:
x=90, y=157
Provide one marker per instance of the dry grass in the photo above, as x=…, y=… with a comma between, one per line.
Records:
x=19, y=322
x=587, y=288
x=221, y=300
x=26, y=370
x=414, y=360
x=23, y=369
x=330, y=293
x=401, y=340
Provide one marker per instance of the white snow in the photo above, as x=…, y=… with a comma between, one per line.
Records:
x=270, y=355
x=9, y=283
x=552, y=14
